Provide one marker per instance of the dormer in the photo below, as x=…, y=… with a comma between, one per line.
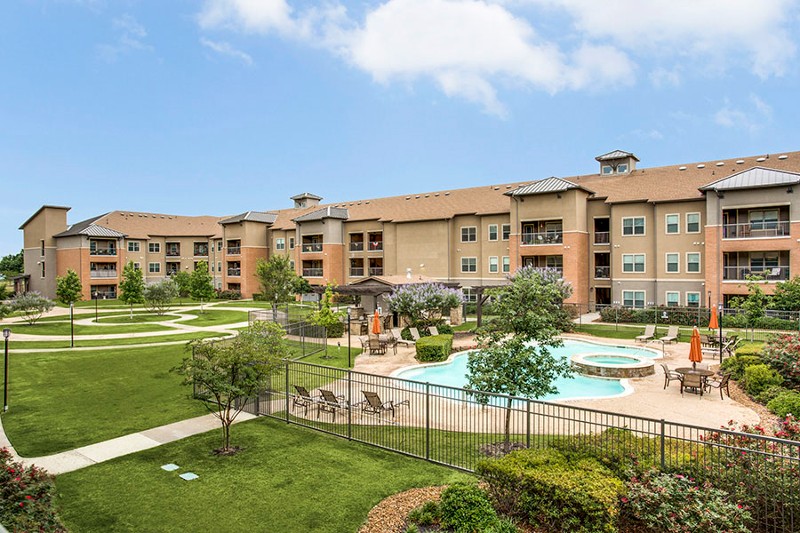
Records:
x=305, y=199
x=617, y=162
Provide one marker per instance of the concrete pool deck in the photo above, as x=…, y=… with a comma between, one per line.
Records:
x=649, y=398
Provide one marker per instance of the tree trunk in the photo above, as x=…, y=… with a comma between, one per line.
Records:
x=131, y=311
x=508, y=424
x=275, y=312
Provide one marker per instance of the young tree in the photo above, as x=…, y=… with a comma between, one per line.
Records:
x=32, y=305
x=327, y=317
x=514, y=356
x=226, y=373
x=424, y=303
x=278, y=280
x=68, y=288
x=11, y=265
x=184, y=282
x=755, y=303
x=131, y=288
x=787, y=295
x=158, y=296
x=201, y=285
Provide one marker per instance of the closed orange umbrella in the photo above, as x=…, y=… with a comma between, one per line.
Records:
x=695, y=348
x=376, y=323
x=713, y=323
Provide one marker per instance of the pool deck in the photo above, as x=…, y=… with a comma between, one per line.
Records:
x=648, y=399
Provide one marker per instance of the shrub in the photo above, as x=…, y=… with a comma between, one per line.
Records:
x=769, y=393
x=672, y=502
x=466, y=509
x=554, y=492
x=737, y=364
x=788, y=428
x=427, y=515
x=758, y=377
x=445, y=329
x=27, y=497
x=228, y=294
x=785, y=403
x=619, y=450
x=750, y=348
x=32, y=305
x=782, y=353
x=432, y=349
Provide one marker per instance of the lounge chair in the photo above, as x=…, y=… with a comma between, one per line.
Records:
x=670, y=375
x=692, y=381
x=302, y=399
x=648, y=335
x=671, y=336
x=398, y=337
x=720, y=383
x=374, y=405
x=376, y=347
x=433, y=330
x=331, y=403
x=414, y=334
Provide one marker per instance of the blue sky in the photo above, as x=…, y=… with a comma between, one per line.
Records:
x=222, y=106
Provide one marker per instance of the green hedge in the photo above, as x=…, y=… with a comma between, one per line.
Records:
x=737, y=364
x=785, y=403
x=435, y=348
x=554, y=492
x=758, y=378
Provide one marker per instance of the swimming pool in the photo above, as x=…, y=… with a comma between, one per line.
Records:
x=454, y=372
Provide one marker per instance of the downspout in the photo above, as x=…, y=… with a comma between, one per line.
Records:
x=655, y=255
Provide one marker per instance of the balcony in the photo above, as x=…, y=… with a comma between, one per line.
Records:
x=356, y=246
x=376, y=271
x=602, y=237
x=312, y=272
x=173, y=251
x=102, y=274
x=311, y=247
x=103, y=251
x=234, y=271
x=201, y=251
x=375, y=246
x=548, y=237
x=234, y=250
x=740, y=273
x=755, y=230
x=602, y=272
x=356, y=272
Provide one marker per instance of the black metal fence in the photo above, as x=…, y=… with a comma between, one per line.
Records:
x=304, y=338
x=457, y=428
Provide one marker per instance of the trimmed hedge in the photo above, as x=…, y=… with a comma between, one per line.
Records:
x=435, y=348
x=758, y=378
x=787, y=402
x=737, y=364
x=466, y=509
x=553, y=491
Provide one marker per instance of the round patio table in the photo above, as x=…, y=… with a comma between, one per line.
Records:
x=704, y=375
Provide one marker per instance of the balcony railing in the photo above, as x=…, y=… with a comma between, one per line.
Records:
x=375, y=246
x=173, y=253
x=234, y=250
x=601, y=237
x=754, y=230
x=602, y=272
x=549, y=237
x=356, y=246
x=312, y=247
x=356, y=272
x=107, y=295
x=376, y=271
x=740, y=273
x=172, y=272
x=201, y=252
x=103, y=251
x=97, y=274
x=234, y=271
x=312, y=272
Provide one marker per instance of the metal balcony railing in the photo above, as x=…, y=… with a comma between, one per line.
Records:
x=312, y=247
x=234, y=271
x=357, y=272
x=740, y=273
x=356, y=246
x=234, y=250
x=755, y=230
x=173, y=253
x=376, y=271
x=201, y=252
x=97, y=274
x=548, y=237
x=602, y=272
x=602, y=237
x=103, y=251
x=312, y=272
x=375, y=246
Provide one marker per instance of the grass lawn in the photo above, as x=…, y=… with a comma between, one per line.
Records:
x=216, y=317
x=130, y=341
x=137, y=317
x=63, y=328
x=59, y=401
x=288, y=479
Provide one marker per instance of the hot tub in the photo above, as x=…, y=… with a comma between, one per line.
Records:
x=617, y=366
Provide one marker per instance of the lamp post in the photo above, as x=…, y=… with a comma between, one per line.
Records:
x=720, y=333
x=348, y=337
x=6, y=335
x=96, y=296
x=71, y=325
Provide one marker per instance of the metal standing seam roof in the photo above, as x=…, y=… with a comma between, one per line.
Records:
x=616, y=154
x=251, y=216
x=305, y=195
x=325, y=212
x=548, y=185
x=755, y=177
x=89, y=228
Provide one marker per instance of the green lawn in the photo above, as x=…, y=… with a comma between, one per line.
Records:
x=63, y=328
x=130, y=341
x=216, y=317
x=137, y=317
x=287, y=479
x=59, y=401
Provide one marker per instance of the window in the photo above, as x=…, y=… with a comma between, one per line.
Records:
x=280, y=244
x=42, y=253
x=219, y=266
x=43, y=269
x=137, y=266
x=764, y=219
x=291, y=263
x=633, y=262
x=693, y=299
x=469, y=264
x=506, y=264
x=493, y=264
x=693, y=262
x=470, y=296
x=219, y=246
x=492, y=232
x=469, y=234
x=673, y=263
x=633, y=299
x=673, y=223
x=608, y=169
x=154, y=268
x=212, y=266
x=291, y=243
x=633, y=226
x=154, y=247
x=133, y=246
x=673, y=299
x=692, y=222
x=506, y=231
x=622, y=168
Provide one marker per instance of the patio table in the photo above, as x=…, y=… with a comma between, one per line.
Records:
x=704, y=374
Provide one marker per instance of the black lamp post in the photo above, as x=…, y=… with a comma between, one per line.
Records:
x=348, y=337
x=6, y=335
x=96, y=296
x=71, y=325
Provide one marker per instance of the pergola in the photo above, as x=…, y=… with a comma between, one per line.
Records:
x=376, y=286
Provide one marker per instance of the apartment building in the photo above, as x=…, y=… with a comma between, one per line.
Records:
x=679, y=235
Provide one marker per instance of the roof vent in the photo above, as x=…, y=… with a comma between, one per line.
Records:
x=701, y=166
x=681, y=168
x=782, y=157
x=408, y=198
x=719, y=164
x=739, y=161
x=761, y=159
x=427, y=196
x=436, y=194
x=497, y=188
x=508, y=186
x=366, y=202
x=447, y=193
x=417, y=197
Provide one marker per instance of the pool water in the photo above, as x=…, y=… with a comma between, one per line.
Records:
x=610, y=360
x=454, y=373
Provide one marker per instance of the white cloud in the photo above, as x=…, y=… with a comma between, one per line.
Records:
x=130, y=38
x=255, y=16
x=661, y=77
x=226, y=49
x=751, y=119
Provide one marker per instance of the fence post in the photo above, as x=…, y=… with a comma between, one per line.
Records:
x=427, y=421
x=528, y=423
x=287, y=391
x=350, y=404
x=663, y=446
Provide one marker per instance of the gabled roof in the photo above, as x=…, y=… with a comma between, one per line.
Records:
x=753, y=178
x=325, y=212
x=251, y=216
x=135, y=225
x=90, y=229
x=305, y=195
x=42, y=209
x=548, y=185
x=616, y=154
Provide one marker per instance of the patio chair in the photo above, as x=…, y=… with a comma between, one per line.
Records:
x=414, y=334
x=692, y=381
x=398, y=337
x=648, y=335
x=671, y=336
x=302, y=399
x=374, y=405
x=670, y=375
x=376, y=347
x=331, y=403
x=720, y=383
x=434, y=330
x=364, y=340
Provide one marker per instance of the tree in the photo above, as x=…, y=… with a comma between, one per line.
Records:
x=32, y=305
x=200, y=284
x=131, y=288
x=327, y=317
x=225, y=372
x=12, y=265
x=184, y=282
x=787, y=295
x=514, y=356
x=278, y=280
x=158, y=296
x=755, y=303
x=424, y=303
x=68, y=288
